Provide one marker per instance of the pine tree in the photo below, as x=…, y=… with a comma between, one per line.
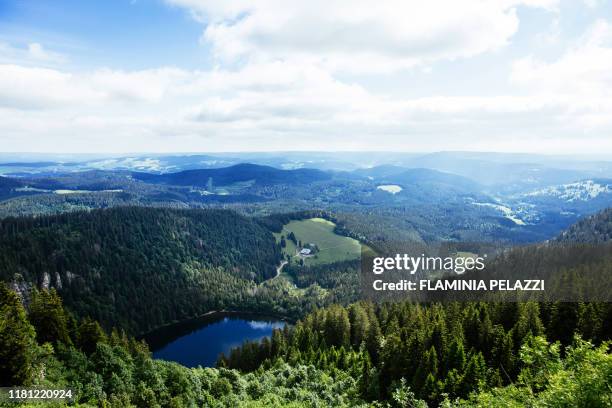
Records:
x=564, y=320
x=359, y=324
x=372, y=340
x=89, y=333
x=475, y=375
x=278, y=346
x=17, y=340
x=506, y=358
x=431, y=389
x=48, y=317
x=456, y=356
x=427, y=367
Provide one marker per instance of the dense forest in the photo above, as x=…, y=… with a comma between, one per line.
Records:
x=124, y=271
x=593, y=229
x=337, y=275
x=393, y=355
x=244, y=172
x=47, y=347
x=138, y=268
x=439, y=351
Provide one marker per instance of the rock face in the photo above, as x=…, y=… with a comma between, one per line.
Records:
x=58, y=280
x=22, y=288
x=46, y=280
x=70, y=276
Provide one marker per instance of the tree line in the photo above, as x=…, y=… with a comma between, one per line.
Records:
x=342, y=357
x=46, y=346
x=439, y=351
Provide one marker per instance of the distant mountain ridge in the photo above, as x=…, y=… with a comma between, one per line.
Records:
x=261, y=175
x=441, y=204
x=398, y=174
x=422, y=175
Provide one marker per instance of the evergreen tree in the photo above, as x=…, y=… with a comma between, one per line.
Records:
x=474, y=378
x=17, y=340
x=456, y=356
x=48, y=317
x=428, y=367
x=564, y=320
x=89, y=334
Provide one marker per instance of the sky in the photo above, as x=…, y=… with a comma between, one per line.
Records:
x=125, y=76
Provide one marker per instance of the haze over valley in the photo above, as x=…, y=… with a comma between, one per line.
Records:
x=474, y=196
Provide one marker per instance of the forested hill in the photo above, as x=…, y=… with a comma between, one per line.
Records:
x=138, y=268
x=261, y=175
x=8, y=186
x=594, y=229
x=495, y=354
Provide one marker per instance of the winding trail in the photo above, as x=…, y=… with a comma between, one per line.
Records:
x=279, y=269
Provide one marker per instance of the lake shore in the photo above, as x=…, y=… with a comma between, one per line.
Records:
x=162, y=335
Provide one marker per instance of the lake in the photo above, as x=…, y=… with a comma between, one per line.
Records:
x=201, y=341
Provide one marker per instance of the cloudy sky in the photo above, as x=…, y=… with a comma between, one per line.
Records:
x=260, y=75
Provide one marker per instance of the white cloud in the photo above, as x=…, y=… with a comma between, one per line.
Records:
x=270, y=106
x=33, y=88
x=356, y=35
x=585, y=69
x=32, y=53
x=47, y=88
x=277, y=86
x=37, y=52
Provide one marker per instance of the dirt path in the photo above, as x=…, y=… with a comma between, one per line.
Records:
x=279, y=269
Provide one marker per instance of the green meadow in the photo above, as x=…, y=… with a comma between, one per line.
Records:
x=318, y=231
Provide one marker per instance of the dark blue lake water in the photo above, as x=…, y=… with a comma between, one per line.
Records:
x=200, y=341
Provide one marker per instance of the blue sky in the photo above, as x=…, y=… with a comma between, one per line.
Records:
x=113, y=33
x=196, y=75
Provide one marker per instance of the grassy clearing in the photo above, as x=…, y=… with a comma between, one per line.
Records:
x=332, y=247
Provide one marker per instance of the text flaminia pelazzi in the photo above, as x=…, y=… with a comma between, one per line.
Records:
x=459, y=265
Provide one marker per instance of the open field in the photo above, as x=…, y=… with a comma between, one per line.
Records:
x=332, y=247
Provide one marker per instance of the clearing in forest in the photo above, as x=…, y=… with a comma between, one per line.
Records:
x=319, y=234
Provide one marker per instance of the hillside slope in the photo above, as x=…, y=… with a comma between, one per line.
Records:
x=594, y=229
x=8, y=186
x=138, y=268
